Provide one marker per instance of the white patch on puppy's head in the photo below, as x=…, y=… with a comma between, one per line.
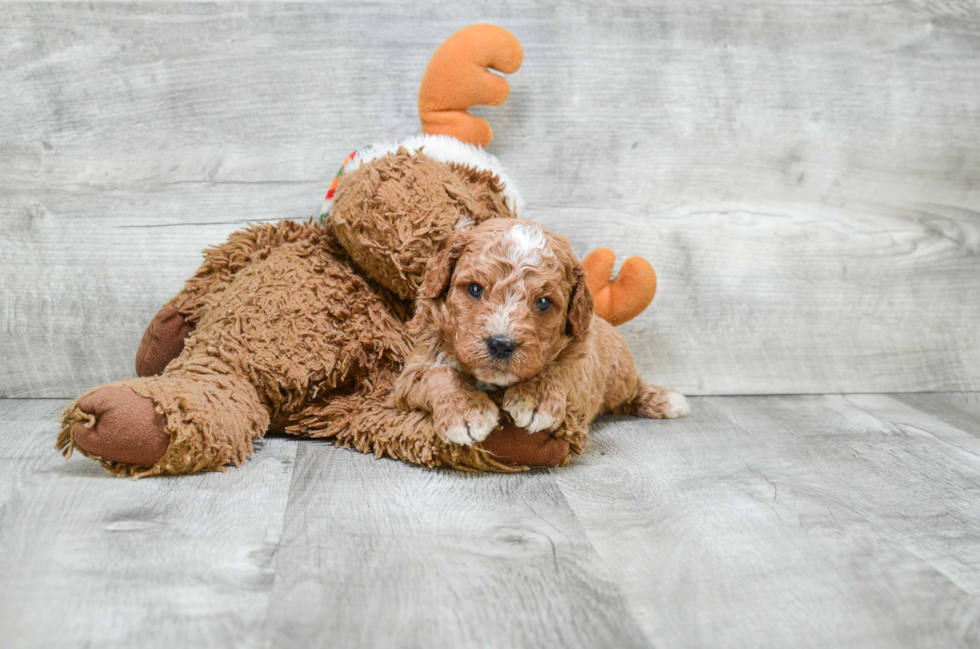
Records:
x=527, y=242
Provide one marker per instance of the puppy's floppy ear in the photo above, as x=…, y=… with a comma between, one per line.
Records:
x=441, y=267
x=579, y=305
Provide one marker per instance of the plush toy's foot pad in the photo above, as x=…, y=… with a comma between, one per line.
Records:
x=162, y=341
x=127, y=427
x=512, y=445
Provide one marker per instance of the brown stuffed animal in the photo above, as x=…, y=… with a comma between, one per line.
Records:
x=301, y=327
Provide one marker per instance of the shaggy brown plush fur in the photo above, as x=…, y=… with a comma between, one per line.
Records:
x=413, y=204
x=288, y=332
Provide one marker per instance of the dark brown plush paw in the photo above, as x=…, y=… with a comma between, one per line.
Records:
x=127, y=427
x=162, y=341
x=512, y=445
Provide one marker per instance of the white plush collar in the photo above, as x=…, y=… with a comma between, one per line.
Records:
x=442, y=148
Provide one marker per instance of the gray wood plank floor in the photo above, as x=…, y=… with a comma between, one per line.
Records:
x=822, y=520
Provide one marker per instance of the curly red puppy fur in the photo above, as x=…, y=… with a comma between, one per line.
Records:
x=504, y=320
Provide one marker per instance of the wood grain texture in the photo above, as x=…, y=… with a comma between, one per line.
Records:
x=805, y=179
x=27, y=430
x=382, y=554
x=961, y=410
x=791, y=521
x=938, y=462
x=787, y=521
x=91, y=560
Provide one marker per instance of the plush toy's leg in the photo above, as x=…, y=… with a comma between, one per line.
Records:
x=191, y=420
x=294, y=324
x=164, y=337
x=224, y=261
x=370, y=422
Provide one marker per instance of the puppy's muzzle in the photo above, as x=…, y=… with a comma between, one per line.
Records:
x=501, y=348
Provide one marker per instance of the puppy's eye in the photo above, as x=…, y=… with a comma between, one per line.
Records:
x=475, y=291
x=542, y=304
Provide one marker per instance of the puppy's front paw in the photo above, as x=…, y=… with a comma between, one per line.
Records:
x=468, y=424
x=534, y=409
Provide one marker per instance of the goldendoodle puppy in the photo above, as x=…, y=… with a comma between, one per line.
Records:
x=504, y=320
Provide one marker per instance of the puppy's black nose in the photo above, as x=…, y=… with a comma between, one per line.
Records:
x=501, y=348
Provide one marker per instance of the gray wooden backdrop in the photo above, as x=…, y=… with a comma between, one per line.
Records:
x=804, y=177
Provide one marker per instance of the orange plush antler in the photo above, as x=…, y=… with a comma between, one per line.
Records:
x=457, y=78
x=625, y=298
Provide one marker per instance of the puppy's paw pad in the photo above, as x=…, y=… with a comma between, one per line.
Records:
x=521, y=410
x=542, y=421
x=533, y=415
x=470, y=427
x=458, y=435
x=676, y=405
x=660, y=403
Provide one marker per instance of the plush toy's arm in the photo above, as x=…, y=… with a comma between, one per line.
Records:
x=458, y=77
x=624, y=298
